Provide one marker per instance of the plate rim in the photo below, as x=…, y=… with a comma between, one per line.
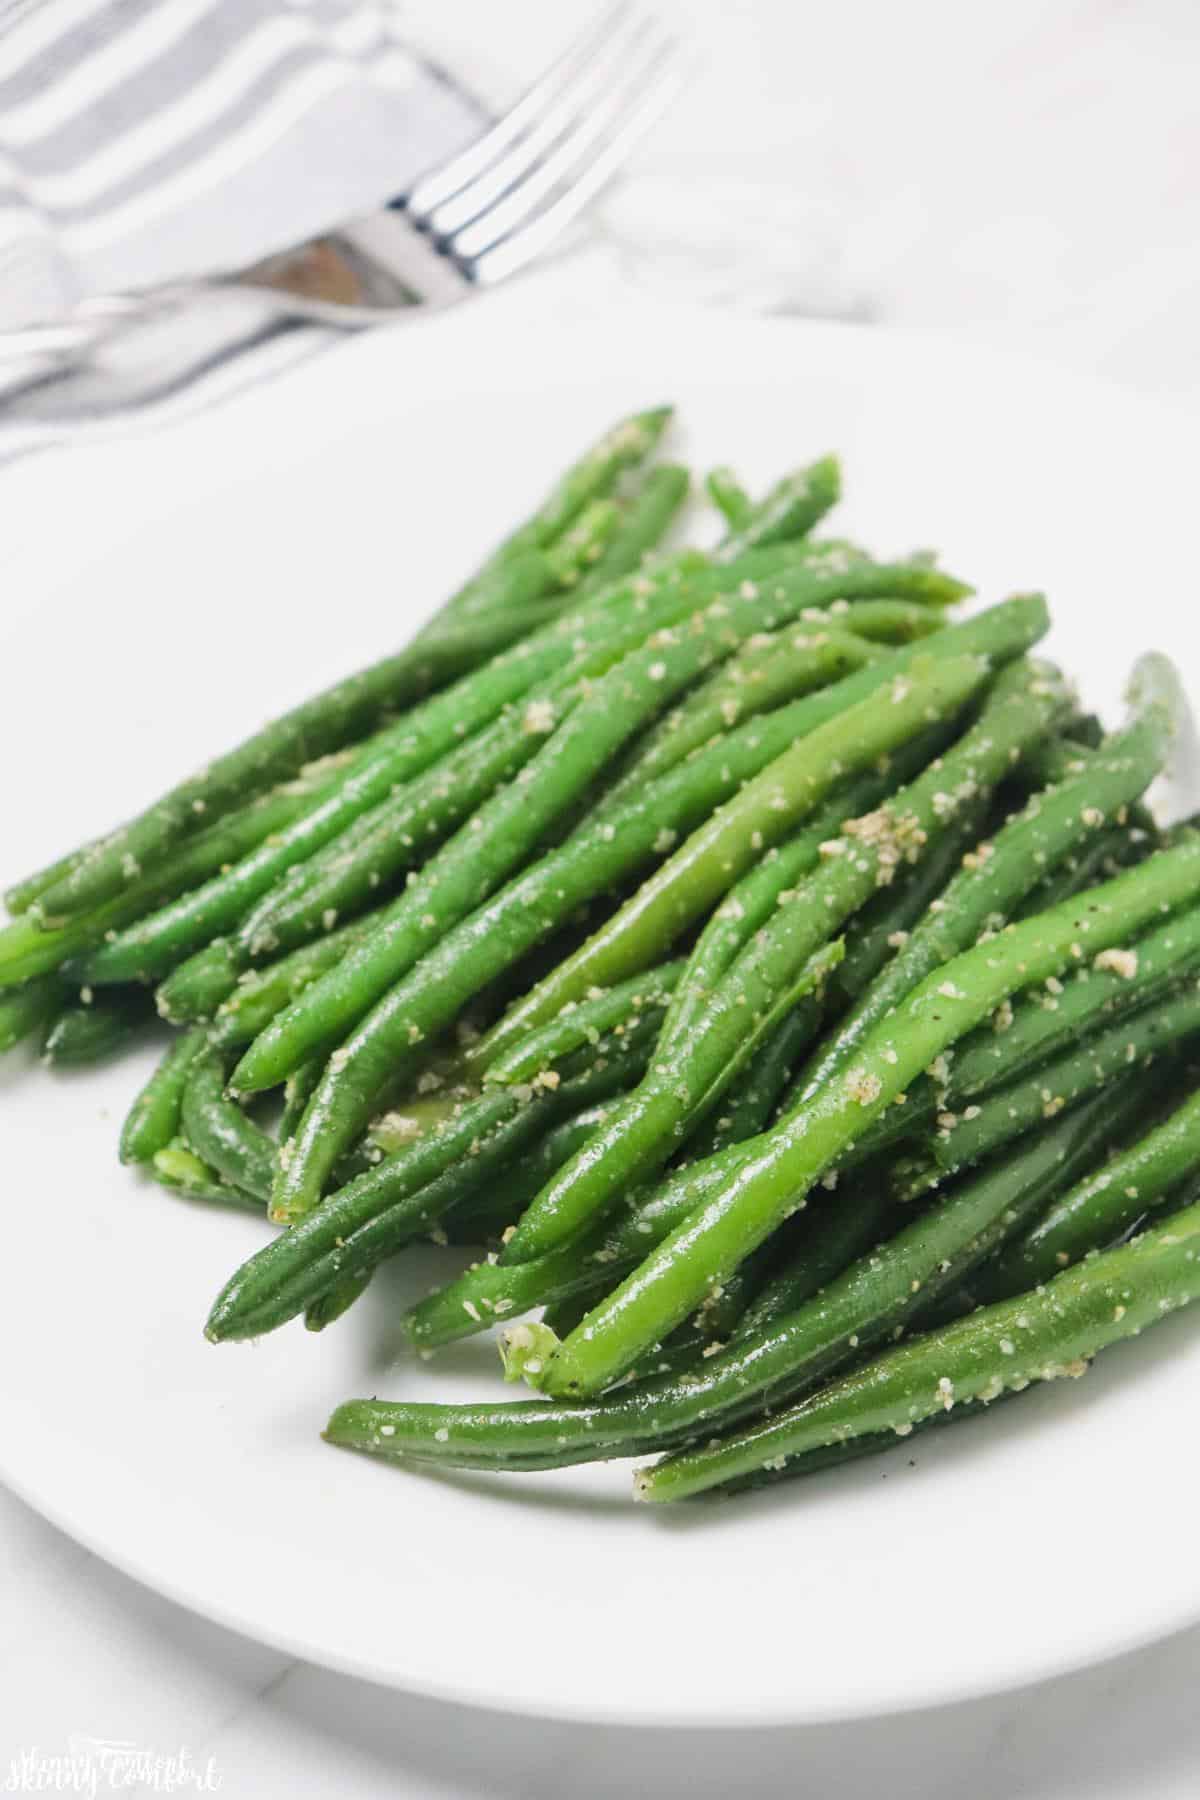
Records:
x=872, y=341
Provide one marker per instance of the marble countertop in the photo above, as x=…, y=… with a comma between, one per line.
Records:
x=1022, y=175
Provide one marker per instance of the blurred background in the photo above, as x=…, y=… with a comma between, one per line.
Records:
x=1027, y=172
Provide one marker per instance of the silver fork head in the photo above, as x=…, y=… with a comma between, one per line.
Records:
x=484, y=215
x=506, y=198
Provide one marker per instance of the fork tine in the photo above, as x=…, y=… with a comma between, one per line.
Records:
x=519, y=228
x=432, y=189
x=566, y=158
x=562, y=114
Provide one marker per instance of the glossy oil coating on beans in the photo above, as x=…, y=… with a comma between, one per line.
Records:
x=408, y=1194
x=849, y=1310
x=95, y=1029
x=154, y=1118
x=941, y=1009
x=959, y=1140
x=470, y=628
x=28, y=947
x=997, y=874
x=334, y=718
x=708, y=779
x=419, y=1007
x=626, y=942
x=1036, y=1337
x=855, y=864
x=220, y=1132
x=1101, y=1207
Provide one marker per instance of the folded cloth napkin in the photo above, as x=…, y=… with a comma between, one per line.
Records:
x=149, y=140
x=143, y=140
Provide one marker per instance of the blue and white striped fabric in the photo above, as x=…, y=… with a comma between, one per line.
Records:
x=146, y=140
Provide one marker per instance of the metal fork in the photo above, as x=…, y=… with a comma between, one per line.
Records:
x=478, y=219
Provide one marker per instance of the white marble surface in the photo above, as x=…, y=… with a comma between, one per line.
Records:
x=1023, y=174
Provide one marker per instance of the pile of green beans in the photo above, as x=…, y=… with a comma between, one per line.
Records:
x=764, y=975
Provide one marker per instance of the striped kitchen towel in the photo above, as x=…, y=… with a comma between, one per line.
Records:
x=147, y=140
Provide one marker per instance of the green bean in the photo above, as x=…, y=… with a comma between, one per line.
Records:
x=22, y=894
x=634, y=936
x=995, y=877
x=514, y=1187
x=750, y=1100
x=261, y=993
x=941, y=1009
x=178, y=1167
x=846, y=1302
x=1099, y=1208
x=433, y=994
x=645, y=522
x=884, y=925
x=409, y=1194
x=729, y=497
x=791, y=509
x=1023, y=1037
x=343, y=999
x=154, y=1118
x=401, y=829
x=684, y=1084
x=1051, y=1333
x=29, y=1008
x=220, y=1132
x=584, y=1023
x=297, y=1092
x=857, y=862
x=961, y=1139
x=513, y=580
x=592, y=476
x=787, y=666
x=586, y=640
x=831, y=1235
x=198, y=986
x=94, y=1030
x=336, y=1300
x=753, y=901
x=28, y=948
x=334, y=718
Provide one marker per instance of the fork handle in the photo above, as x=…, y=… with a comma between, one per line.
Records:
x=92, y=323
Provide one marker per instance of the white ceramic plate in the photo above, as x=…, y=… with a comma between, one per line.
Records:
x=1049, y=1535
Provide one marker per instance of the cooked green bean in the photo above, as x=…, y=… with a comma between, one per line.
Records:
x=178, y=1167
x=1041, y=1336
x=326, y=723
x=428, y=999
x=633, y=937
x=940, y=1010
x=219, y=1131
x=28, y=948
x=1022, y=1037
x=95, y=1029
x=729, y=497
x=409, y=1194
x=961, y=1139
x=29, y=1008
x=591, y=476
x=336, y=1300
x=791, y=509
x=586, y=640
x=644, y=523
x=584, y=1023
x=1099, y=1208
x=996, y=875
x=856, y=863
x=841, y=1307
x=154, y=1118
